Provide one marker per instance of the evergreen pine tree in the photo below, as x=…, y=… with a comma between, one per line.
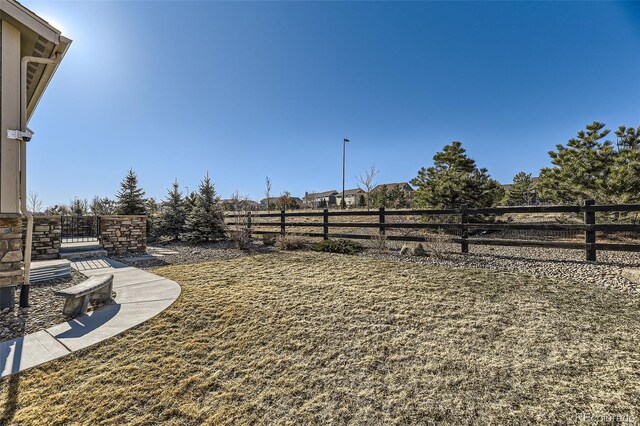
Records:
x=624, y=179
x=173, y=215
x=379, y=197
x=521, y=192
x=396, y=199
x=190, y=201
x=581, y=169
x=205, y=222
x=131, y=198
x=78, y=206
x=589, y=167
x=453, y=180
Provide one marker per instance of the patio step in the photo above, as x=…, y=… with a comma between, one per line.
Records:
x=82, y=250
x=83, y=254
x=81, y=246
x=49, y=269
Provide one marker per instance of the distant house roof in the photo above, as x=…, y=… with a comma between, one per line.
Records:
x=316, y=195
x=400, y=185
x=534, y=183
x=348, y=192
x=244, y=202
x=275, y=199
x=270, y=199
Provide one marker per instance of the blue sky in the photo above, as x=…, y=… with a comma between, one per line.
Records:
x=244, y=90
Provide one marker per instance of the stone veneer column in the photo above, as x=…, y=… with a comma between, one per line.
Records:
x=47, y=234
x=10, y=257
x=120, y=234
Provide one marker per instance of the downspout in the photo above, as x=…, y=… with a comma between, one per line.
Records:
x=22, y=190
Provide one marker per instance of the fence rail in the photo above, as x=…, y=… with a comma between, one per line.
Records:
x=466, y=223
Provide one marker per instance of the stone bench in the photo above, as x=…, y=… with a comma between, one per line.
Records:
x=95, y=289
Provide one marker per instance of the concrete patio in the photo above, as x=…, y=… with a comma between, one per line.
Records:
x=140, y=296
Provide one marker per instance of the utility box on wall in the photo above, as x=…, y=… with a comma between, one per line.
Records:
x=30, y=52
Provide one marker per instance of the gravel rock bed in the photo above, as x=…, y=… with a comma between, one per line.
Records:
x=180, y=253
x=540, y=262
x=552, y=263
x=45, y=309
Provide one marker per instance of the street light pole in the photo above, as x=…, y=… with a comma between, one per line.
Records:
x=343, y=204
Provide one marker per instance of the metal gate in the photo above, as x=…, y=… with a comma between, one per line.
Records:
x=80, y=228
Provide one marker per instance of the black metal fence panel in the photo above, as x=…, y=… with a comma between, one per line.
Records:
x=80, y=228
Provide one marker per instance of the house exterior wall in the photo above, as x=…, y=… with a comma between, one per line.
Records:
x=21, y=32
x=9, y=117
x=352, y=200
x=317, y=202
x=11, y=258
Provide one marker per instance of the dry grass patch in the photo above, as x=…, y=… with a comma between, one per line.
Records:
x=318, y=338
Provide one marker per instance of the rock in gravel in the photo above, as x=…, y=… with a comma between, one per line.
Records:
x=405, y=250
x=418, y=250
x=632, y=275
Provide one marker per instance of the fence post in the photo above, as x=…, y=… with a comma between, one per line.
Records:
x=249, y=223
x=590, y=234
x=282, y=222
x=325, y=221
x=381, y=221
x=465, y=231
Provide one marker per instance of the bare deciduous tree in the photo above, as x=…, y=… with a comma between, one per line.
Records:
x=239, y=231
x=34, y=203
x=367, y=182
x=267, y=191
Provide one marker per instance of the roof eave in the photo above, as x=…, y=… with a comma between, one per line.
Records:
x=18, y=15
x=47, y=75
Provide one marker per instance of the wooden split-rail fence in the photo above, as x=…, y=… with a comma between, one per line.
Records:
x=290, y=220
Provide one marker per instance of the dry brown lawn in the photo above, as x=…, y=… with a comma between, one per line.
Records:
x=310, y=338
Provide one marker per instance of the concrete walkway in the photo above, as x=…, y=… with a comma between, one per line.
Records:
x=140, y=295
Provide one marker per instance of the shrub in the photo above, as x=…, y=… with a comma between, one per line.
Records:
x=239, y=230
x=290, y=242
x=379, y=242
x=338, y=246
x=269, y=240
x=241, y=238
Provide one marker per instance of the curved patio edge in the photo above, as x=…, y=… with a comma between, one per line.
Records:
x=140, y=295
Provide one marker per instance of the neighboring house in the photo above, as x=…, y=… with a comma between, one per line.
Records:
x=269, y=202
x=397, y=195
x=403, y=186
x=352, y=198
x=534, y=194
x=245, y=205
x=275, y=201
x=321, y=199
